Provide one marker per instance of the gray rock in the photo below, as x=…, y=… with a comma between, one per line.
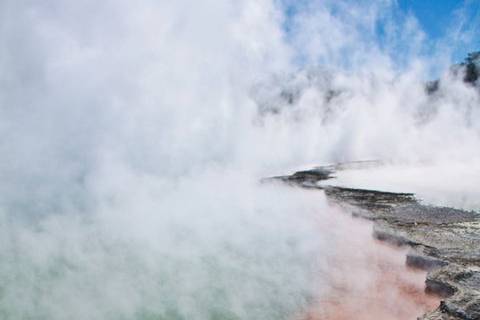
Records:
x=444, y=241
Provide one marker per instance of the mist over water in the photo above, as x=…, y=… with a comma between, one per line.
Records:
x=445, y=184
x=133, y=137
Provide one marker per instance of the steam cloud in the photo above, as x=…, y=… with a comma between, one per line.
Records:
x=133, y=136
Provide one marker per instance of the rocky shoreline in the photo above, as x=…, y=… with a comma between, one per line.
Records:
x=443, y=241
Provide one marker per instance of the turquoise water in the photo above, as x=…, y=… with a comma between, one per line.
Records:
x=223, y=255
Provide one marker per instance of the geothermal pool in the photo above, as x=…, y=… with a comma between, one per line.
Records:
x=133, y=135
x=224, y=254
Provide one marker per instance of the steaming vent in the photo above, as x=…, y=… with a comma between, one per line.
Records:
x=136, y=138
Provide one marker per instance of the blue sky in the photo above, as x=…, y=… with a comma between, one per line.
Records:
x=437, y=17
x=452, y=24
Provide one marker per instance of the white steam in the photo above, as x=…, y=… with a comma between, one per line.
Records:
x=132, y=141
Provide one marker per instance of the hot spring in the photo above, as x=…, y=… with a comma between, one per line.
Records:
x=134, y=136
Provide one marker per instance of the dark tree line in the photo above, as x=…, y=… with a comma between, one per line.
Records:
x=471, y=65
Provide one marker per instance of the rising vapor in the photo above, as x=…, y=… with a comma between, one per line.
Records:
x=134, y=136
